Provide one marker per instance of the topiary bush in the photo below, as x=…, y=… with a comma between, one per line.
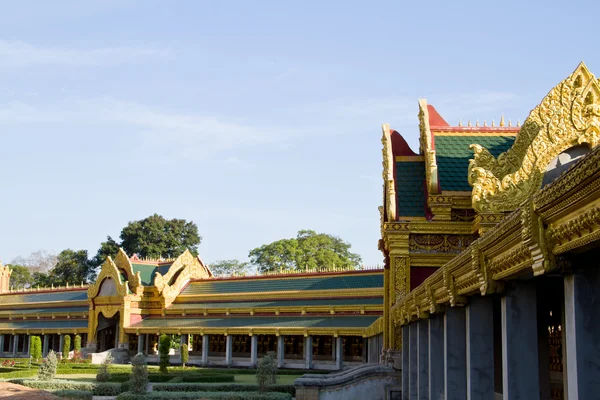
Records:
x=35, y=348
x=266, y=371
x=74, y=394
x=185, y=354
x=77, y=343
x=103, y=374
x=164, y=347
x=66, y=347
x=47, y=369
x=139, y=375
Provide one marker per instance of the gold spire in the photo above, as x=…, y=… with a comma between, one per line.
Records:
x=469, y=124
x=477, y=123
x=502, y=120
x=509, y=122
x=519, y=122
x=493, y=122
x=460, y=122
x=484, y=122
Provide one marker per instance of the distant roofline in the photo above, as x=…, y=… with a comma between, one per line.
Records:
x=290, y=275
x=45, y=290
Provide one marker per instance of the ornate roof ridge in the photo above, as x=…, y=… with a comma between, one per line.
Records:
x=366, y=270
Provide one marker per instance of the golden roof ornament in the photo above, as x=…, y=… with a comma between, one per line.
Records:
x=502, y=120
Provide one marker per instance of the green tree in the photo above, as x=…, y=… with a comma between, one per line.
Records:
x=47, y=369
x=20, y=276
x=138, y=382
x=266, y=371
x=66, y=347
x=185, y=354
x=41, y=279
x=77, y=344
x=35, y=347
x=164, y=346
x=307, y=251
x=103, y=374
x=229, y=268
x=153, y=237
x=73, y=267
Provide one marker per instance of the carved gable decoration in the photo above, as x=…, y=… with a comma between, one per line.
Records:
x=568, y=116
x=110, y=271
x=124, y=263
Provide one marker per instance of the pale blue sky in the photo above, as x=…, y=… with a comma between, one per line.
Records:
x=253, y=119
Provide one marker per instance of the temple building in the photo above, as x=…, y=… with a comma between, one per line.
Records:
x=491, y=236
x=311, y=320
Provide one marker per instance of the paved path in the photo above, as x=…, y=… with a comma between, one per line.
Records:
x=17, y=392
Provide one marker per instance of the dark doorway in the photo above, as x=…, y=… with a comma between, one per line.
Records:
x=107, y=332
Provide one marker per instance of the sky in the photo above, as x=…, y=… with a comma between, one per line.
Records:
x=254, y=119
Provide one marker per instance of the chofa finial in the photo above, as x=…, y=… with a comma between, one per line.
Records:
x=477, y=123
x=460, y=122
x=502, y=120
x=469, y=124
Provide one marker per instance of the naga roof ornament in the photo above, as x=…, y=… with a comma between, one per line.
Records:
x=569, y=115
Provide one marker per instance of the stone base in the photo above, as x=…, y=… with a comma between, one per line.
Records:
x=120, y=356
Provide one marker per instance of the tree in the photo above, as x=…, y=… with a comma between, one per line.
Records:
x=103, y=374
x=66, y=347
x=72, y=267
x=153, y=237
x=307, y=251
x=266, y=371
x=185, y=354
x=77, y=344
x=47, y=369
x=38, y=261
x=138, y=382
x=229, y=268
x=20, y=276
x=41, y=279
x=164, y=348
x=35, y=347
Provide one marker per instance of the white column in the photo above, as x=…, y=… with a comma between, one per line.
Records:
x=253, y=350
x=182, y=341
x=480, y=348
x=15, y=344
x=2, y=343
x=339, y=353
x=455, y=362
x=61, y=342
x=582, y=330
x=140, y=348
x=520, y=364
x=405, y=362
x=308, y=349
x=436, y=357
x=413, y=354
x=280, y=352
x=228, y=349
x=205, y=343
x=46, y=344
x=423, y=361
x=26, y=344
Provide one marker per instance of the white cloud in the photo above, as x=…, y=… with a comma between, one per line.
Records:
x=21, y=54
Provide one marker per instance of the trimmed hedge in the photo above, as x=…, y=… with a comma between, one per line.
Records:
x=74, y=394
x=20, y=373
x=97, y=389
x=212, y=387
x=162, y=378
x=206, y=395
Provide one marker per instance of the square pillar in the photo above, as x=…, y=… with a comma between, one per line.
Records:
x=205, y=343
x=333, y=348
x=26, y=344
x=582, y=334
x=2, y=343
x=423, y=359
x=46, y=345
x=280, y=352
x=15, y=344
x=406, y=362
x=253, y=350
x=480, y=348
x=61, y=342
x=140, y=347
x=413, y=354
x=520, y=364
x=455, y=354
x=228, y=350
x=339, y=353
x=436, y=357
x=308, y=350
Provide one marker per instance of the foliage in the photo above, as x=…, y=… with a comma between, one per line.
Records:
x=47, y=369
x=74, y=394
x=139, y=374
x=97, y=389
x=266, y=371
x=39, y=261
x=185, y=355
x=103, y=374
x=77, y=343
x=229, y=268
x=8, y=363
x=164, y=346
x=153, y=237
x=205, y=396
x=216, y=387
x=107, y=389
x=35, y=347
x=66, y=347
x=72, y=267
x=20, y=276
x=307, y=251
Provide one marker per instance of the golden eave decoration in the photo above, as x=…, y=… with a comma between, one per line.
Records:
x=568, y=116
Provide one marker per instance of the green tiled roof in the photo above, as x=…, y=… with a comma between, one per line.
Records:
x=453, y=154
x=59, y=295
x=45, y=310
x=410, y=183
x=44, y=324
x=285, y=284
x=282, y=303
x=147, y=272
x=259, y=322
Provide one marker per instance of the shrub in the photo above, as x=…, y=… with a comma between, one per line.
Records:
x=77, y=343
x=216, y=387
x=163, y=353
x=208, y=378
x=266, y=371
x=97, y=389
x=47, y=368
x=205, y=395
x=35, y=347
x=103, y=374
x=66, y=347
x=107, y=389
x=185, y=354
x=139, y=374
x=74, y=394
